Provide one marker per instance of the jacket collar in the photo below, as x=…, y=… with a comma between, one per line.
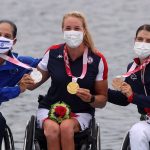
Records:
x=137, y=61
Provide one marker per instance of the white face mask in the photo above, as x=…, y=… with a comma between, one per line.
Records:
x=5, y=44
x=142, y=49
x=73, y=38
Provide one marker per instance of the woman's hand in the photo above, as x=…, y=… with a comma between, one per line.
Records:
x=117, y=83
x=25, y=82
x=84, y=94
x=126, y=89
x=100, y=96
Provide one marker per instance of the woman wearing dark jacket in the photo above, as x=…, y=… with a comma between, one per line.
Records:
x=136, y=89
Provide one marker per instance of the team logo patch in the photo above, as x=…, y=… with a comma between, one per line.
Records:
x=60, y=56
x=133, y=77
x=90, y=60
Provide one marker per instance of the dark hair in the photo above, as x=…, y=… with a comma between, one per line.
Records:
x=14, y=27
x=145, y=27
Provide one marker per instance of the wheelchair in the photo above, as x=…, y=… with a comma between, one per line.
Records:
x=126, y=140
x=7, y=142
x=88, y=139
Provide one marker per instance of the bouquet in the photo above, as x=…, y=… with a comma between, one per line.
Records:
x=60, y=111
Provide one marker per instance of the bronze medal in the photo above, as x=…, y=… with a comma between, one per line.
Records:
x=72, y=87
x=117, y=83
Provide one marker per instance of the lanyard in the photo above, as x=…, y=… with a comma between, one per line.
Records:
x=132, y=70
x=15, y=61
x=67, y=65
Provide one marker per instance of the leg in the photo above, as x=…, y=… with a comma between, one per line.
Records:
x=2, y=128
x=51, y=129
x=140, y=136
x=68, y=128
x=52, y=133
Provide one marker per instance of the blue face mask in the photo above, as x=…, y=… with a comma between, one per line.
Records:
x=5, y=44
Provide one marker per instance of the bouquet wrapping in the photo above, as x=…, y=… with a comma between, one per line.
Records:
x=60, y=111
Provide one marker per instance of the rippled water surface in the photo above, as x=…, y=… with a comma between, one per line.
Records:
x=112, y=23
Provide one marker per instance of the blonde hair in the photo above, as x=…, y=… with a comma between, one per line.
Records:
x=87, y=37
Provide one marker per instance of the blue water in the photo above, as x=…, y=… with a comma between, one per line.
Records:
x=112, y=23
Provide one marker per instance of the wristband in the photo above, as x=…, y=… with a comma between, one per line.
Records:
x=92, y=99
x=130, y=98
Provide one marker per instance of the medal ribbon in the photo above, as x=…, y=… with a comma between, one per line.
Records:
x=133, y=70
x=67, y=65
x=15, y=61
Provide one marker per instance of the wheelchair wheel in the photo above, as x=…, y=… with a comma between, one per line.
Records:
x=96, y=143
x=98, y=137
x=126, y=143
x=29, y=134
x=37, y=145
x=84, y=147
x=8, y=142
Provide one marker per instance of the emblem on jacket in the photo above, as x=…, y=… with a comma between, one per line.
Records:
x=60, y=56
x=90, y=60
x=133, y=77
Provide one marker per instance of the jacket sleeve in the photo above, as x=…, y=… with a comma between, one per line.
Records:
x=7, y=93
x=138, y=99
x=33, y=62
x=116, y=97
x=141, y=100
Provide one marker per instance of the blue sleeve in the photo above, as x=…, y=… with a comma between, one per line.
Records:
x=7, y=93
x=116, y=97
x=33, y=62
x=141, y=100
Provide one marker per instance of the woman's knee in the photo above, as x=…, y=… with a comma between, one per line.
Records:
x=67, y=128
x=51, y=129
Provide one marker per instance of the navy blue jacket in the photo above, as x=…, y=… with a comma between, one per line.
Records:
x=10, y=75
x=140, y=99
x=60, y=79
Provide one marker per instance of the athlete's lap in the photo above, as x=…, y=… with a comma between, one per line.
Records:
x=82, y=118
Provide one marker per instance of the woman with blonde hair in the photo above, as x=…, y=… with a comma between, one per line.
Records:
x=78, y=84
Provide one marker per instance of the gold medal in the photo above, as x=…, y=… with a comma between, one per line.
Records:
x=72, y=87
